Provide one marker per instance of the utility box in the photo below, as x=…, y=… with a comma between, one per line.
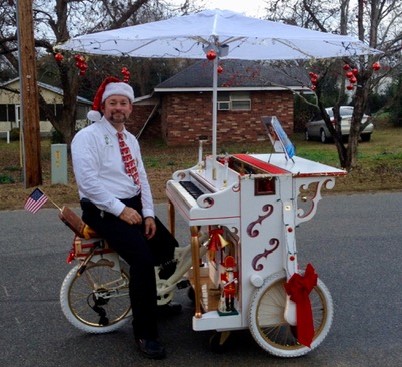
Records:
x=59, y=163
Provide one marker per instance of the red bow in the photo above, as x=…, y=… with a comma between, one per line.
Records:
x=298, y=288
x=214, y=240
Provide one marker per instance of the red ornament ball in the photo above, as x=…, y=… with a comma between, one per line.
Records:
x=211, y=55
x=59, y=57
x=376, y=66
x=79, y=58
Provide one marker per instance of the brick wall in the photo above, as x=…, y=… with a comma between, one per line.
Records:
x=140, y=115
x=183, y=117
x=186, y=116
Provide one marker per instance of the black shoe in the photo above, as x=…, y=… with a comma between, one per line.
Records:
x=170, y=309
x=167, y=269
x=151, y=348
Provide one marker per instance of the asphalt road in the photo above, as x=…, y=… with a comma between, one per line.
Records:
x=354, y=242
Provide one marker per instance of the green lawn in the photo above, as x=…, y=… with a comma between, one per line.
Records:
x=379, y=165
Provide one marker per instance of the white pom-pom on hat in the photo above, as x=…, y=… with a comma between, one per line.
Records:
x=94, y=115
x=110, y=86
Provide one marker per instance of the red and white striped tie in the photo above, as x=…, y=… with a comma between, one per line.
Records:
x=129, y=162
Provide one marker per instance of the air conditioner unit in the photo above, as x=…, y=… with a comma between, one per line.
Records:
x=224, y=105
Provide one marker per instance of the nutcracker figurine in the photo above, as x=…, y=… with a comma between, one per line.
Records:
x=229, y=287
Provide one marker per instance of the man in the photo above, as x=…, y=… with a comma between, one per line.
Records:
x=117, y=203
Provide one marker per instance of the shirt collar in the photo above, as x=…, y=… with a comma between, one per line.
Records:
x=111, y=129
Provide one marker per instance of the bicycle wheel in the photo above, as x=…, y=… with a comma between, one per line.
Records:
x=269, y=327
x=97, y=301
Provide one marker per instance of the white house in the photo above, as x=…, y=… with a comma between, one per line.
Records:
x=10, y=105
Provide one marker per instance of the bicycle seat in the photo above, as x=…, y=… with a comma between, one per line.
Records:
x=76, y=224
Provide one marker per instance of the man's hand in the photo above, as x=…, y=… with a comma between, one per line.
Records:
x=130, y=216
x=150, y=227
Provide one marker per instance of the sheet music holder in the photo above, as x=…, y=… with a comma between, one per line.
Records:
x=278, y=136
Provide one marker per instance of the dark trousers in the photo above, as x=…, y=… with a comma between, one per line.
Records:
x=141, y=254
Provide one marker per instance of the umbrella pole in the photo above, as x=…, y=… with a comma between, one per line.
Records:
x=214, y=116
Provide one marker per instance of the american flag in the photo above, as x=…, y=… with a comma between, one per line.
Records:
x=35, y=201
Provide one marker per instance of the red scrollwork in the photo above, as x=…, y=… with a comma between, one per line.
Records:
x=258, y=267
x=254, y=232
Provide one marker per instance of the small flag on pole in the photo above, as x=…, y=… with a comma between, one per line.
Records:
x=35, y=201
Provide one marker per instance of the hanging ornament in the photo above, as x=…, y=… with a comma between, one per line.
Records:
x=376, y=66
x=313, y=79
x=59, y=57
x=79, y=58
x=211, y=55
x=126, y=74
x=351, y=75
x=81, y=64
x=353, y=79
x=220, y=69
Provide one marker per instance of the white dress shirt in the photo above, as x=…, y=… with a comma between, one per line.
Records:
x=99, y=169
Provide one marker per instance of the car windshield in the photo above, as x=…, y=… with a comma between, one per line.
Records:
x=343, y=110
x=346, y=111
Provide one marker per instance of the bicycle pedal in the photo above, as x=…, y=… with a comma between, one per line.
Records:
x=183, y=284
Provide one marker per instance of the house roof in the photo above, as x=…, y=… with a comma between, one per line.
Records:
x=49, y=87
x=238, y=75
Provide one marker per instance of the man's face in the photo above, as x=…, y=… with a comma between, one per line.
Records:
x=117, y=109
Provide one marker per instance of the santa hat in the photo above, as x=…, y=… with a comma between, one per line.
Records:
x=110, y=86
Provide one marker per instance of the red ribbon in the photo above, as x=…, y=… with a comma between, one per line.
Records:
x=298, y=288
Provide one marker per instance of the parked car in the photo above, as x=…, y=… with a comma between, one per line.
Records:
x=316, y=128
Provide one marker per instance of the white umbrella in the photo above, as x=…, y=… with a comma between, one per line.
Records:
x=229, y=34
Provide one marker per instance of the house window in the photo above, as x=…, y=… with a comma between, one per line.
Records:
x=7, y=112
x=234, y=101
x=59, y=110
x=241, y=105
x=3, y=112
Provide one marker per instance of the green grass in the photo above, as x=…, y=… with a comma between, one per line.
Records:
x=379, y=165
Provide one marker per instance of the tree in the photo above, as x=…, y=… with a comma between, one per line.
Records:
x=376, y=22
x=58, y=20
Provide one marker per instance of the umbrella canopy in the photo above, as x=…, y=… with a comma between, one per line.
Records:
x=226, y=33
x=247, y=38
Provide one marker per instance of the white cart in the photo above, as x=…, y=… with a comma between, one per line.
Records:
x=247, y=207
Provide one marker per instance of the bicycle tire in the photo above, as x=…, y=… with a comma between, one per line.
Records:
x=81, y=298
x=268, y=326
